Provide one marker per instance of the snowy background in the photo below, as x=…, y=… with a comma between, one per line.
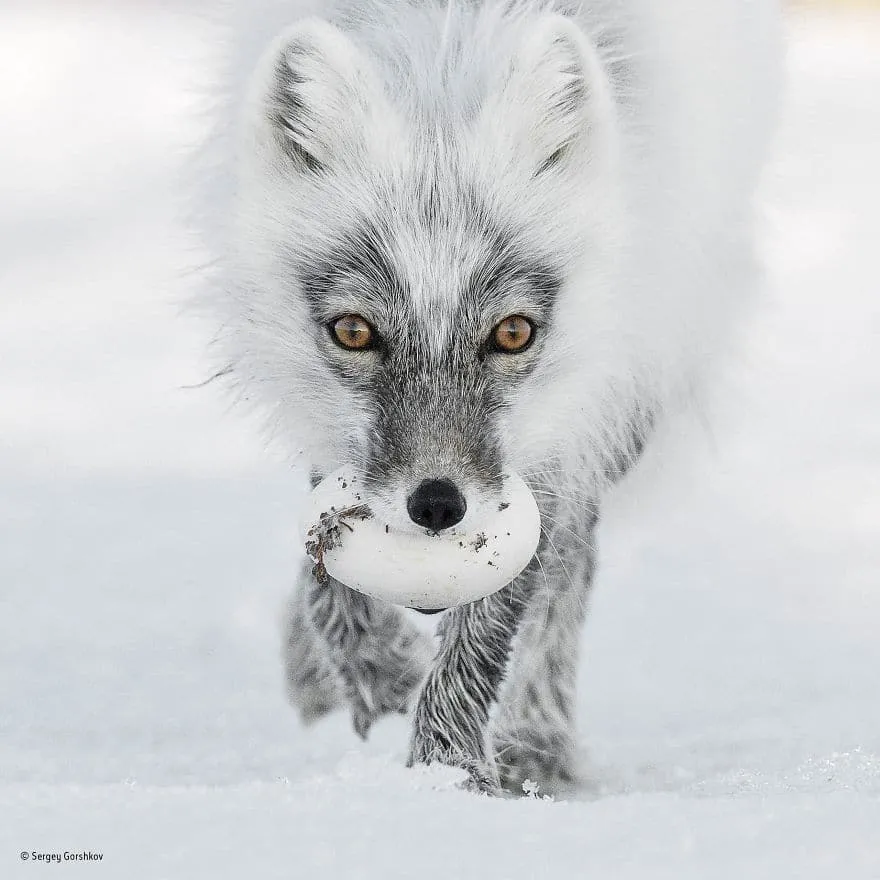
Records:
x=731, y=687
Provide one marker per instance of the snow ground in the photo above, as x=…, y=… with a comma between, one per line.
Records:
x=731, y=687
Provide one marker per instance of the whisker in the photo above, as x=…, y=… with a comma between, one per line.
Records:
x=572, y=499
x=558, y=556
x=218, y=375
x=583, y=541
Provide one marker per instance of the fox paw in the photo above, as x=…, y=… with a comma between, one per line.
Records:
x=481, y=776
x=549, y=763
x=432, y=742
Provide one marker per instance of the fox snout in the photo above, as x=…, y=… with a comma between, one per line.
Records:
x=436, y=505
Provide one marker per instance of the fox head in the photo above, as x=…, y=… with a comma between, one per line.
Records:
x=426, y=226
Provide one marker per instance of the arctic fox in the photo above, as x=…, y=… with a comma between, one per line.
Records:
x=465, y=237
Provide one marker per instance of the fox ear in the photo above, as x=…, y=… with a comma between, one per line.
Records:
x=319, y=96
x=555, y=98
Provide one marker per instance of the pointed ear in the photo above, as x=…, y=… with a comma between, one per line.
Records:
x=554, y=106
x=319, y=96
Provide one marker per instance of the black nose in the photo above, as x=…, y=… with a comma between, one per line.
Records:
x=436, y=505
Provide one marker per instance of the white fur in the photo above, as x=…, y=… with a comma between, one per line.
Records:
x=650, y=210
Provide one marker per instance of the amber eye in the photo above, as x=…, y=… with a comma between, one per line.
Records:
x=513, y=334
x=353, y=332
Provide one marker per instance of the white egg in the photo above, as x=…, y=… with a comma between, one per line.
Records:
x=419, y=570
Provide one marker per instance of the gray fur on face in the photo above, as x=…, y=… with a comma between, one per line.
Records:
x=434, y=384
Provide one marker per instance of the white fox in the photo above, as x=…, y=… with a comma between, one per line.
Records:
x=470, y=236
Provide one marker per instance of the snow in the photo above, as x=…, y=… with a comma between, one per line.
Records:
x=730, y=705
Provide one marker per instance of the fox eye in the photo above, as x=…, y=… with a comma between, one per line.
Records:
x=353, y=332
x=513, y=335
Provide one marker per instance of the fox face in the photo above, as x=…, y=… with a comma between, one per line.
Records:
x=433, y=357
x=410, y=256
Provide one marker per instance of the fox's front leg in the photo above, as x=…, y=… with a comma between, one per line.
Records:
x=452, y=715
x=314, y=687
x=378, y=656
x=344, y=647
